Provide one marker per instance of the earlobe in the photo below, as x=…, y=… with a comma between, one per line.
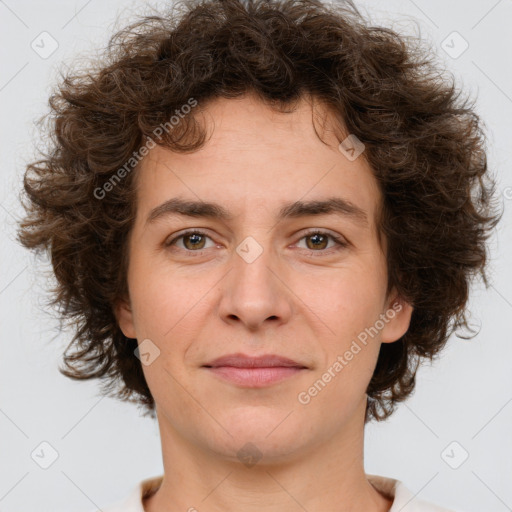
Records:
x=397, y=319
x=124, y=315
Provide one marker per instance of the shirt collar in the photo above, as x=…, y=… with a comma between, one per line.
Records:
x=390, y=487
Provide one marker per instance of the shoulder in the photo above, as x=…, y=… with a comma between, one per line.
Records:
x=133, y=501
x=404, y=500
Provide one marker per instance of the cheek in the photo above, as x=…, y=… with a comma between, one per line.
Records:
x=347, y=300
x=162, y=300
x=349, y=306
x=169, y=311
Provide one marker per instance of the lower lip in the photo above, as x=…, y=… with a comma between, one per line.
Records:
x=255, y=377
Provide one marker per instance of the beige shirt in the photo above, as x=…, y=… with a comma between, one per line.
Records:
x=403, y=499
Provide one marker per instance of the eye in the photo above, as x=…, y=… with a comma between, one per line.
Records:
x=318, y=241
x=193, y=240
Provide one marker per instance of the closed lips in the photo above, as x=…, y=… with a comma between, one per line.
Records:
x=244, y=361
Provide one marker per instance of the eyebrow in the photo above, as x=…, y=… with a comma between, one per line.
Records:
x=332, y=205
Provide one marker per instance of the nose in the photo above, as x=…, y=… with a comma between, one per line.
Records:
x=253, y=292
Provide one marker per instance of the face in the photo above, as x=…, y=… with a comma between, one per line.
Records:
x=300, y=282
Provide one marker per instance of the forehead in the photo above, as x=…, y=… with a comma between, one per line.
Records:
x=256, y=158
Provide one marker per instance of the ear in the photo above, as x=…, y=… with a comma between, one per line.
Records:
x=396, y=317
x=124, y=315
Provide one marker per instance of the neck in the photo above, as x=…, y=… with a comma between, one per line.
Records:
x=327, y=475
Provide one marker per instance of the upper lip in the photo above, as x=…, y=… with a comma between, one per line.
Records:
x=243, y=361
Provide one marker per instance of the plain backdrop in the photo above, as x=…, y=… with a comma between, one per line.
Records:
x=450, y=442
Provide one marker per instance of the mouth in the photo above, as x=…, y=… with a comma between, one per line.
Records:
x=255, y=377
x=254, y=372
x=239, y=360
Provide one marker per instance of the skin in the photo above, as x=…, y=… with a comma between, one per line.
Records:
x=301, y=298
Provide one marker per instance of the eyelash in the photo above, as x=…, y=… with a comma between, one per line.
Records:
x=340, y=242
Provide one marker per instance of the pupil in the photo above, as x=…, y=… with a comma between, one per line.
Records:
x=317, y=238
x=194, y=239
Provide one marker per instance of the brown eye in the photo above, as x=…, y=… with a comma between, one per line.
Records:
x=194, y=241
x=318, y=241
x=191, y=241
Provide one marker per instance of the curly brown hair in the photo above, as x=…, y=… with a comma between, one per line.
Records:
x=423, y=141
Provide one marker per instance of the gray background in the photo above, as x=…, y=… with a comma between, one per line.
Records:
x=104, y=447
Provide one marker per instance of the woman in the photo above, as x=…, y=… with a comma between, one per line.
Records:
x=263, y=215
